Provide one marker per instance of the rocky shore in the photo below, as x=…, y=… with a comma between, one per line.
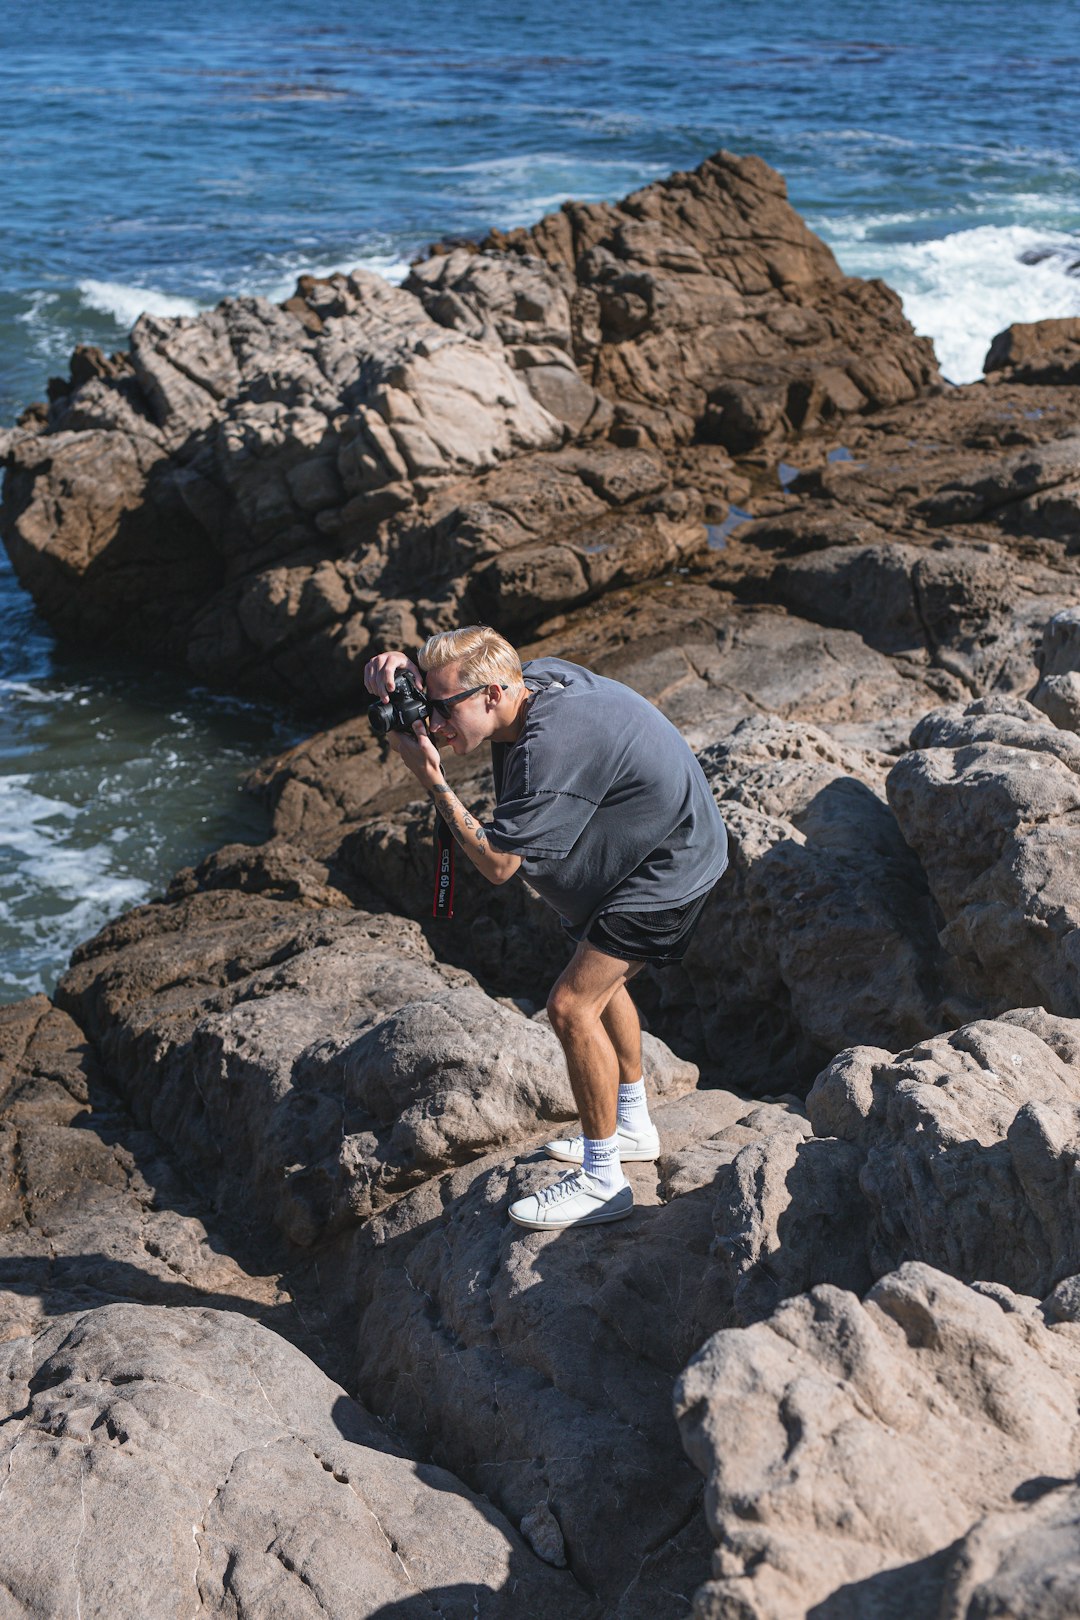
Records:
x=270, y=1346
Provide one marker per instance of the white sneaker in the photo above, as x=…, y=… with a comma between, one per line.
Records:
x=634, y=1146
x=573, y=1200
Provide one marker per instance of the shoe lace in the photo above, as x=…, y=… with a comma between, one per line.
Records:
x=565, y=1187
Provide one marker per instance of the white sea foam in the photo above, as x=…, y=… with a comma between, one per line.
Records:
x=125, y=304
x=963, y=288
x=279, y=283
x=55, y=893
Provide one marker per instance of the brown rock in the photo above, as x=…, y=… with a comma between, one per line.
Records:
x=989, y=800
x=274, y=476
x=982, y=1119
x=1037, y=352
x=156, y=1458
x=847, y=1445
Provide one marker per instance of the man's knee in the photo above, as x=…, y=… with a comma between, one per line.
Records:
x=566, y=1010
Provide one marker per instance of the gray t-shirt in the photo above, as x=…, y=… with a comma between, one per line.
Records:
x=603, y=799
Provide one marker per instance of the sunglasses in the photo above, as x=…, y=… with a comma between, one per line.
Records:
x=444, y=705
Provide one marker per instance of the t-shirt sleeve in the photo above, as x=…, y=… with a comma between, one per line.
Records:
x=540, y=826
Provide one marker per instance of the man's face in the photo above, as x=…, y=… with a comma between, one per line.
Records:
x=469, y=722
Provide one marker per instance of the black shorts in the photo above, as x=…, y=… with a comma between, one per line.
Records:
x=660, y=937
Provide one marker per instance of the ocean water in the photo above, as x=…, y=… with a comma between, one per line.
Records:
x=156, y=159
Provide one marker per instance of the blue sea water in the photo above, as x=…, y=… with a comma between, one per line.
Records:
x=160, y=158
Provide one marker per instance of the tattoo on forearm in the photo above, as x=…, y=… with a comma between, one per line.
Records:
x=453, y=812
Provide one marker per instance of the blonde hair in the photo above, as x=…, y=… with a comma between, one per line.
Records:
x=485, y=656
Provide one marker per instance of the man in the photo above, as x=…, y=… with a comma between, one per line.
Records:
x=602, y=806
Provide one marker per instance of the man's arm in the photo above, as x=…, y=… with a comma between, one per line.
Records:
x=422, y=757
x=496, y=865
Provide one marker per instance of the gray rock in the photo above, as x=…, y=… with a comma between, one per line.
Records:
x=314, y=1066
x=968, y=1144
x=989, y=800
x=157, y=1458
x=848, y=1444
x=791, y=1214
x=820, y=933
x=1057, y=693
x=538, y=1366
x=92, y=1210
x=1022, y=1561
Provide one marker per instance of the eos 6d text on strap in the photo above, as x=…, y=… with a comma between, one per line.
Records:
x=442, y=904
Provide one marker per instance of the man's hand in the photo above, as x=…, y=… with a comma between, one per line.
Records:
x=379, y=673
x=419, y=754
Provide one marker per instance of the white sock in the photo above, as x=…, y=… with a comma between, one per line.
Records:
x=602, y=1162
x=633, y=1107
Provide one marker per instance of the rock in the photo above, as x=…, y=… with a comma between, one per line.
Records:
x=789, y=1215
x=985, y=1118
x=1022, y=1561
x=822, y=925
x=777, y=331
x=313, y=1067
x=1033, y=491
x=158, y=1457
x=91, y=1209
x=847, y=1445
x=989, y=800
x=1057, y=693
x=538, y=1366
x=1037, y=352
x=265, y=493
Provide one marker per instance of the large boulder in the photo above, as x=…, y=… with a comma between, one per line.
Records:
x=705, y=302
x=158, y=1458
x=989, y=800
x=312, y=1067
x=847, y=1445
x=538, y=1366
x=264, y=493
x=966, y=1146
x=93, y=1209
x=1036, y=352
x=822, y=927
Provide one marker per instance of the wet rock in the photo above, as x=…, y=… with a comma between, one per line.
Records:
x=989, y=800
x=967, y=1143
x=848, y=1444
x=156, y=1458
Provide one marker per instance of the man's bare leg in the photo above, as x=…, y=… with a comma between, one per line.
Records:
x=620, y=1019
x=579, y=998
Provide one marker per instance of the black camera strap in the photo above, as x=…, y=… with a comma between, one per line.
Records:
x=443, y=902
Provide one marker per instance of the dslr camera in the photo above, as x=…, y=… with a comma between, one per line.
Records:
x=407, y=705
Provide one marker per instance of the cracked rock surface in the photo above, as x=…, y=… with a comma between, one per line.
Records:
x=666, y=438
x=264, y=492
x=236, y=1478
x=312, y=1066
